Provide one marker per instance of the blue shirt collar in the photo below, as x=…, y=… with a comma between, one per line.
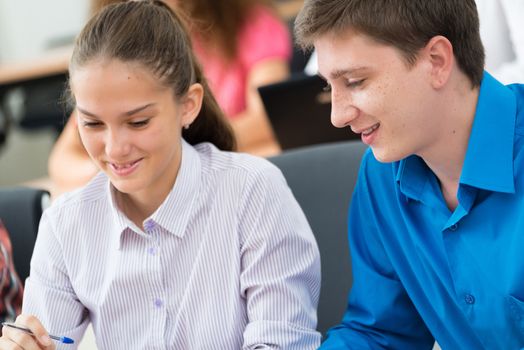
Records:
x=489, y=158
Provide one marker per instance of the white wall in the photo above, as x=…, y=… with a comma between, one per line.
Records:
x=26, y=27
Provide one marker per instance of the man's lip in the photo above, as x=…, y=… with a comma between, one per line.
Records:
x=360, y=131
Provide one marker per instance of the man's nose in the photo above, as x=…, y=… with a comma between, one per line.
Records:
x=343, y=112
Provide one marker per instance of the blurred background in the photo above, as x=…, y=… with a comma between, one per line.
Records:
x=29, y=30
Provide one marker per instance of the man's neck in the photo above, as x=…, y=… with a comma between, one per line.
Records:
x=446, y=156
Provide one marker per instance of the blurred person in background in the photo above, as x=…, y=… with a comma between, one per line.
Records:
x=11, y=288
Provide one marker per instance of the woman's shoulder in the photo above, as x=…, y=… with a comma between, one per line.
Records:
x=215, y=161
x=93, y=192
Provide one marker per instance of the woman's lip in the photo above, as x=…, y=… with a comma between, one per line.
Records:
x=124, y=169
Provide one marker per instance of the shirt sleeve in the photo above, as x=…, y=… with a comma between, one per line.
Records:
x=280, y=267
x=263, y=37
x=380, y=314
x=48, y=292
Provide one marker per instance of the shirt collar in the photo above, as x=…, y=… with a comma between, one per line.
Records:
x=489, y=158
x=174, y=213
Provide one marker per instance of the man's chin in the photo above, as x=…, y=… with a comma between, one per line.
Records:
x=383, y=156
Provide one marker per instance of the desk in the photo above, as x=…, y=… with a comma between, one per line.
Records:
x=52, y=63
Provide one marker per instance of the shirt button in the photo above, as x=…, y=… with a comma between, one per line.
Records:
x=469, y=299
x=152, y=251
x=159, y=303
x=149, y=225
x=453, y=227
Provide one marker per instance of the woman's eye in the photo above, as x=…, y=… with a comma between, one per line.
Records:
x=91, y=124
x=139, y=123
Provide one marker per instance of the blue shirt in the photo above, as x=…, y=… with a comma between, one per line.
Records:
x=422, y=272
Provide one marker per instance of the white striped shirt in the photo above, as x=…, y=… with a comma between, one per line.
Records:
x=228, y=261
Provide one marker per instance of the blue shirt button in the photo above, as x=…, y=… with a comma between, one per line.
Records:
x=453, y=227
x=469, y=299
x=152, y=251
x=149, y=225
x=159, y=303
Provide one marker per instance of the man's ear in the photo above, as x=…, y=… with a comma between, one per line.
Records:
x=191, y=104
x=439, y=52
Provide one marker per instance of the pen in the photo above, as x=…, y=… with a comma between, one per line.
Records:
x=64, y=340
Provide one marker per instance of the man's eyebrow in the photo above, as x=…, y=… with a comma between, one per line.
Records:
x=128, y=113
x=341, y=72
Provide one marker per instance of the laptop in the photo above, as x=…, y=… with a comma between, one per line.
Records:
x=300, y=112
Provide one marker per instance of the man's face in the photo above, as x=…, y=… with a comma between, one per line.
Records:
x=376, y=94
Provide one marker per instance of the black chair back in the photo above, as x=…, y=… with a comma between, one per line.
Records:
x=20, y=210
x=322, y=178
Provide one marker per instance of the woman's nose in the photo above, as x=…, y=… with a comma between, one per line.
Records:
x=117, y=145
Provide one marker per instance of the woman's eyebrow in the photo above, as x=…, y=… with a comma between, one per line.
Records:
x=128, y=113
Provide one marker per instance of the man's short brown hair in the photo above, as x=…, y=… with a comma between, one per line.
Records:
x=407, y=25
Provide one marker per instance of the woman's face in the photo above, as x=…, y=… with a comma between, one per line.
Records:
x=131, y=125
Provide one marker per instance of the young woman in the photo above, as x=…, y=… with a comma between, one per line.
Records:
x=176, y=243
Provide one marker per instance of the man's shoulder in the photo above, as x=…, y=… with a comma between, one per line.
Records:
x=244, y=168
x=518, y=90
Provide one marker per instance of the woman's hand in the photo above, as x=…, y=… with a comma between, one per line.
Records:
x=14, y=339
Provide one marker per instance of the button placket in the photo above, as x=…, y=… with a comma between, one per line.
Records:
x=152, y=251
x=159, y=303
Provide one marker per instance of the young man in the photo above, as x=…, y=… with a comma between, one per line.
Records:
x=436, y=225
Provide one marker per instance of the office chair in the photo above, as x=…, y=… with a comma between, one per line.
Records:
x=37, y=103
x=20, y=211
x=322, y=178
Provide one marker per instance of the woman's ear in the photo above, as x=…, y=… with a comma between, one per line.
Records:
x=439, y=50
x=191, y=104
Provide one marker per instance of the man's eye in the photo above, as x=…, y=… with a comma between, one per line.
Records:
x=139, y=123
x=327, y=88
x=354, y=83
